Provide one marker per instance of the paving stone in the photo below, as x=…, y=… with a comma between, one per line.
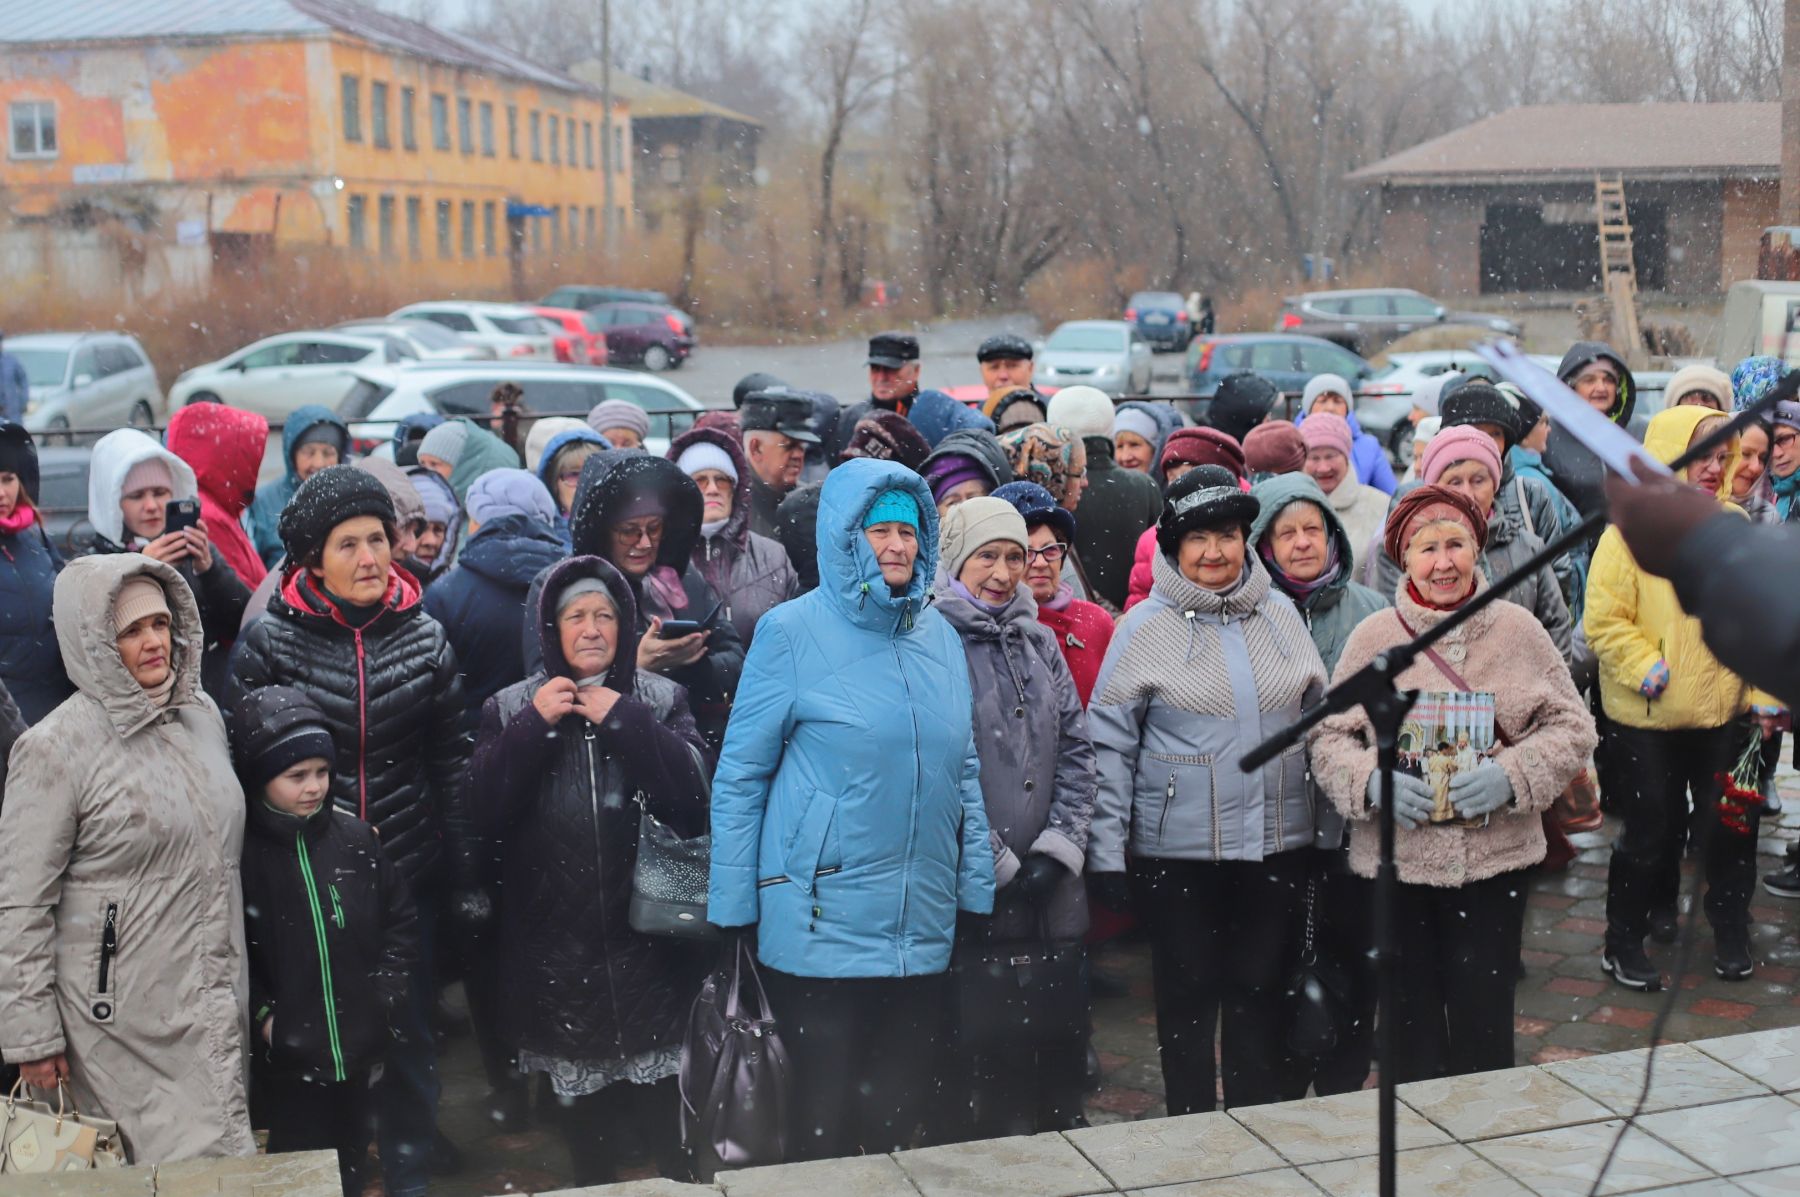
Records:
x=1734, y=1136
x=1452, y=1171
x=856, y=1176
x=1771, y=1057
x=1564, y=1162
x=1280, y=1182
x=1034, y=1166
x=1681, y=1077
x=1509, y=1102
x=111, y=1182
x=1339, y=1127
x=1171, y=1150
x=292, y=1174
x=657, y=1187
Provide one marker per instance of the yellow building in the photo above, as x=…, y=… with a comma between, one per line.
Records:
x=164, y=136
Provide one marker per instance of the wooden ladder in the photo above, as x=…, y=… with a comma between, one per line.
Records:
x=1618, y=270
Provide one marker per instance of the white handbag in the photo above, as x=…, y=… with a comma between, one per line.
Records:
x=33, y=1138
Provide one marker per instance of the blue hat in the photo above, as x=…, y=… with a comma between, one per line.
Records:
x=892, y=506
x=1038, y=506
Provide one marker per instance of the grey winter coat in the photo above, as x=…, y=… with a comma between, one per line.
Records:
x=1332, y=611
x=1192, y=680
x=1037, y=764
x=124, y=826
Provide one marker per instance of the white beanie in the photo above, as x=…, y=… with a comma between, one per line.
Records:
x=1138, y=422
x=1427, y=428
x=1425, y=396
x=1325, y=384
x=702, y=455
x=1085, y=411
x=973, y=523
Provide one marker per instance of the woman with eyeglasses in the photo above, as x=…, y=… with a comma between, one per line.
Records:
x=1083, y=630
x=748, y=570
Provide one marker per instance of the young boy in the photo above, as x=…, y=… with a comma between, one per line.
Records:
x=331, y=934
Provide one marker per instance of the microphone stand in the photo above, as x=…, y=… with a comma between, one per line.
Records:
x=1374, y=688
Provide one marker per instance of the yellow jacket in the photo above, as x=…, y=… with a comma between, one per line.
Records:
x=1633, y=620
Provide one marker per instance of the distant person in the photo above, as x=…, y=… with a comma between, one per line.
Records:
x=1117, y=505
x=311, y=439
x=778, y=426
x=1006, y=361
x=1329, y=462
x=459, y=452
x=1242, y=401
x=622, y=423
x=965, y=465
x=1020, y=407
x=1331, y=393
x=887, y=436
x=1274, y=449
x=559, y=468
x=15, y=386
x=1598, y=374
x=1699, y=385
x=936, y=415
x=894, y=368
x=30, y=665
x=1139, y=432
x=750, y=572
x=225, y=447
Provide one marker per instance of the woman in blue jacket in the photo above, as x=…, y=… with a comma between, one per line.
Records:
x=847, y=818
x=30, y=663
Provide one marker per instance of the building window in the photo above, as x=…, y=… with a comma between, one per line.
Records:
x=356, y=221
x=487, y=228
x=468, y=228
x=34, y=129
x=440, y=121
x=409, y=137
x=384, y=217
x=537, y=137
x=352, y=88
x=445, y=242
x=587, y=143
x=555, y=139
x=512, y=131
x=572, y=159
x=465, y=125
x=378, y=115
x=556, y=226
x=618, y=216
x=671, y=164
x=590, y=224
x=413, y=235
x=487, y=129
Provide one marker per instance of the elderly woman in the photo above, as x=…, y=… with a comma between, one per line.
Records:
x=966, y=464
x=564, y=763
x=1213, y=659
x=29, y=665
x=624, y=424
x=750, y=572
x=1037, y=783
x=847, y=819
x=122, y=964
x=1082, y=630
x=1461, y=908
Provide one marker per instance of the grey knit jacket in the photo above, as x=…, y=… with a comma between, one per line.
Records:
x=1192, y=681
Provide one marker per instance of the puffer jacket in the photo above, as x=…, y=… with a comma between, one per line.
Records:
x=1334, y=610
x=392, y=695
x=558, y=805
x=29, y=664
x=225, y=447
x=1083, y=631
x=121, y=949
x=1501, y=649
x=749, y=571
x=12, y=726
x=673, y=589
x=480, y=601
x=1192, y=681
x=271, y=497
x=1366, y=454
x=936, y=415
x=1578, y=473
x=1633, y=620
x=848, y=822
x=1037, y=764
x=1116, y=508
x=1531, y=478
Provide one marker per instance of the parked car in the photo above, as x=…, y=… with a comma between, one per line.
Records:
x=87, y=380
x=1108, y=354
x=652, y=336
x=510, y=330
x=1761, y=317
x=1284, y=359
x=429, y=341
x=579, y=335
x=587, y=295
x=1384, y=399
x=382, y=395
x=1161, y=318
x=1363, y=321
x=278, y=374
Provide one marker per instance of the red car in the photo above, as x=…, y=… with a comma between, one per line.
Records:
x=578, y=341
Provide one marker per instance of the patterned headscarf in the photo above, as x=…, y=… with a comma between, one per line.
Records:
x=1054, y=458
x=1753, y=377
x=1425, y=505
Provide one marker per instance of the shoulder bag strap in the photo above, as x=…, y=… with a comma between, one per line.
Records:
x=1456, y=679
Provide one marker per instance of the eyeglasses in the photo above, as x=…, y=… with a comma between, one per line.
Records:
x=629, y=534
x=1784, y=439
x=1050, y=554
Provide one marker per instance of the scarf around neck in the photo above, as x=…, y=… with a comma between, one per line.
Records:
x=968, y=596
x=1785, y=489
x=1065, y=594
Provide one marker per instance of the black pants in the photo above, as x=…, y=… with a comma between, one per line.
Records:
x=1029, y=1089
x=1345, y=934
x=1657, y=770
x=1459, y=968
x=309, y=1116
x=1223, y=942
x=861, y=1052
x=620, y=1121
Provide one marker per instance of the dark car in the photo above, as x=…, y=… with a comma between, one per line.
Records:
x=1368, y=320
x=1286, y=360
x=651, y=335
x=1161, y=318
x=584, y=296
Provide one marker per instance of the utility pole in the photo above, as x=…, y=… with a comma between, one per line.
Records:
x=607, y=165
x=1790, y=115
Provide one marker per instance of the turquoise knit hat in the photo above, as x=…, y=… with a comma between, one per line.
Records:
x=892, y=506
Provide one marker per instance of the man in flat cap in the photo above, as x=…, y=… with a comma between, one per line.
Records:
x=778, y=427
x=1006, y=366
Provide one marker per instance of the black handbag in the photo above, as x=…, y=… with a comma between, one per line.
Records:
x=669, y=880
x=734, y=1077
x=1019, y=991
x=1318, y=989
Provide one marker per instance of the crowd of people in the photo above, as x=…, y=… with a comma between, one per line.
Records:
x=278, y=763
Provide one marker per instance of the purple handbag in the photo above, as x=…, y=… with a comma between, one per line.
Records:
x=734, y=1072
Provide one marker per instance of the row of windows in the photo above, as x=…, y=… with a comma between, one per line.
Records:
x=480, y=223
x=565, y=141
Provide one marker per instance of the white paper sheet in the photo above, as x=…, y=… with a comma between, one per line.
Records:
x=1570, y=412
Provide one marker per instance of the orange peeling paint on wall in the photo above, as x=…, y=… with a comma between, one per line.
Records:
x=239, y=110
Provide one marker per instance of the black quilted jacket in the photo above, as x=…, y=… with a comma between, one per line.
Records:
x=392, y=695
x=556, y=804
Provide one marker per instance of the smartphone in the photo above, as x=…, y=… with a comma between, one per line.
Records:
x=180, y=515
x=675, y=629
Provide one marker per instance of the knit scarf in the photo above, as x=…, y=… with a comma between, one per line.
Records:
x=19, y=519
x=159, y=693
x=1785, y=490
x=968, y=596
x=1065, y=594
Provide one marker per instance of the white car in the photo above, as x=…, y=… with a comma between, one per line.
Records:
x=87, y=380
x=278, y=374
x=1385, y=397
x=430, y=341
x=384, y=395
x=1108, y=354
x=510, y=330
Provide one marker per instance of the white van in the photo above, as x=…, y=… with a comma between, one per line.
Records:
x=1761, y=317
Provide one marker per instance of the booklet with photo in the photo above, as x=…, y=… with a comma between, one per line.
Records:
x=1448, y=732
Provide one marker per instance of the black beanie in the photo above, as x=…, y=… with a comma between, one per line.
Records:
x=1242, y=401
x=1207, y=496
x=1480, y=402
x=325, y=500
x=278, y=727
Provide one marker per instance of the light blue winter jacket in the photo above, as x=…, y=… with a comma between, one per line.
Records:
x=847, y=816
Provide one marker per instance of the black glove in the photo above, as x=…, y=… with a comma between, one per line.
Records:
x=1037, y=878
x=471, y=909
x=1110, y=890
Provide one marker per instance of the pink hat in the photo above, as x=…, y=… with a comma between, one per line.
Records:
x=1461, y=443
x=1325, y=430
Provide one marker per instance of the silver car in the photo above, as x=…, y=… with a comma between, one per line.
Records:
x=1108, y=354
x=87, y=380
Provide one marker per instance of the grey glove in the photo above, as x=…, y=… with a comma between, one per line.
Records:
x=1481, y=791
x=1412, y=799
